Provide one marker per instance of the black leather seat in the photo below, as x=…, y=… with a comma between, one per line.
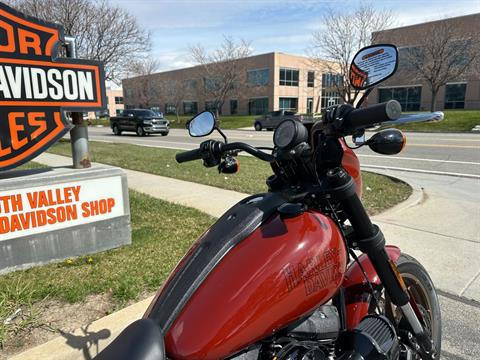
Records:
x=141, y=340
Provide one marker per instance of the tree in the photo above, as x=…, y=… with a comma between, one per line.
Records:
x=342, y=34
x=103, y=31
x=174, y=92
x=442, y=54
x=145, y=91
x=222, y=70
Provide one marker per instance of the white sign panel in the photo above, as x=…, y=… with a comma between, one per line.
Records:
x=52, y=207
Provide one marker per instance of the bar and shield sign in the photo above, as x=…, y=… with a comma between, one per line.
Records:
x=36, y=87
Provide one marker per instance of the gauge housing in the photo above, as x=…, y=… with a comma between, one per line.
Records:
x=289, y=134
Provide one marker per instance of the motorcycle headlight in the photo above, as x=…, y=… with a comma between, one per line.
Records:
x=289, y=134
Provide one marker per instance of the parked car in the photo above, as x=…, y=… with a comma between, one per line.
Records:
x=272, y=119
x=141, y=121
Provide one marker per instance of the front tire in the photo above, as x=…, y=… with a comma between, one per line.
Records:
x=421, y=287
x=258, y=126
x=140, y=131
x=116, y=130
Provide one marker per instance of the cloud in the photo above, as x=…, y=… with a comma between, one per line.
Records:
x=270, y=25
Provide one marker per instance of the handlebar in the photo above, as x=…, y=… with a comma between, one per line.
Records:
x=216, y=149
x=375, y=114
x=190, y=155
x=249, y=149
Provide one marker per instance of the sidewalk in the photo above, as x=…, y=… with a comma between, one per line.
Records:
x=429, y=226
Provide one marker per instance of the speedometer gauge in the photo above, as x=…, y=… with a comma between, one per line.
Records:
x=289, y=134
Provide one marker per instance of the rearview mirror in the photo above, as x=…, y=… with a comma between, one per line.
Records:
x=372, y=65
x=201, y=124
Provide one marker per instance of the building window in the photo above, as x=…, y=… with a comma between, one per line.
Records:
x=330, y=80
x=118, y=111
x=288, y=77
x=233, y=107
x=118, y=99
x=309, y=105
x=258, y=106
x=311, y=79
x=258, y=77
x=191, y=84
x=190, y=107
x=408, y=97
x=410, y=57
x=170, y=109
x=455, y=96
x=211, y=84
x=289, y=104
x=330, y=96
x=211, y=106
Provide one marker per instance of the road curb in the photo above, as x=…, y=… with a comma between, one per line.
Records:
x=417, y=196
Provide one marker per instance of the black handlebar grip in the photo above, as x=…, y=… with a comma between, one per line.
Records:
x=375, y=114
x=195, y=154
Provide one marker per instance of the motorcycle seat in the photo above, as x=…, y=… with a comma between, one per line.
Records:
x=141, y=340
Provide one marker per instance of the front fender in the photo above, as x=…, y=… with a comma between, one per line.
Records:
x=357, y=291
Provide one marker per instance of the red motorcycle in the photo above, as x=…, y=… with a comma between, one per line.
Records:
x=277, y=276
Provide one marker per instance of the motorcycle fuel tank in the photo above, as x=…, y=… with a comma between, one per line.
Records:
x=277, y=274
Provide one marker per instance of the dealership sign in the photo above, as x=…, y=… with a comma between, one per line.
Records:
x=36, y=87
x=41, y=209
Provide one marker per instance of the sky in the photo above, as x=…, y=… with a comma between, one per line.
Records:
x=269, y=25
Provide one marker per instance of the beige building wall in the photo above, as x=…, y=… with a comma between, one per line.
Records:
x=114, y=103
x=408, y=36
x=146, y=91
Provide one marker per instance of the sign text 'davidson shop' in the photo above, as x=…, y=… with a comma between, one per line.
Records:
x=46, y=208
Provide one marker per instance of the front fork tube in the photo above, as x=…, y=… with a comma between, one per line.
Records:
x=369, y=239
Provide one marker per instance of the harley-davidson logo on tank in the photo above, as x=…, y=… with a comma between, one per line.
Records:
x=36, y=87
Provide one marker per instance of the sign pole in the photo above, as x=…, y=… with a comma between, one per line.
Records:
x=79, y=132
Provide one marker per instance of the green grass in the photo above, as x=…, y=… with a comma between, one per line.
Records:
x=454, y=121
x=161, y=232
x=250, y=179
x=226, y=121
x=100, y=121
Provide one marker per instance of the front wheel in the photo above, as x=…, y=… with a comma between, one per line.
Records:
x=116, y=130
x=421, y=287
x=258, y=126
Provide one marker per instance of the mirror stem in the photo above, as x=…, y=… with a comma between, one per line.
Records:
x=221, y=133
x=364, y=96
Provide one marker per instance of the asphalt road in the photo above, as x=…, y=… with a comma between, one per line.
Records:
x=428, y=158
x=443, y=154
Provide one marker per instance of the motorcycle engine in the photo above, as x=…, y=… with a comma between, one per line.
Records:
x=319, y=338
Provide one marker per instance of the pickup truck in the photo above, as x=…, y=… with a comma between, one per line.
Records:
x=272, y=119
x=141, y=121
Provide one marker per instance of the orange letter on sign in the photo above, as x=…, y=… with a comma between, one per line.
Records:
x=37, y=119
x=10, y=45
x=33, y=42
x=15, y=128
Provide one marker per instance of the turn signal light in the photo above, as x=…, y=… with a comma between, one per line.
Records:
x=387, y=142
